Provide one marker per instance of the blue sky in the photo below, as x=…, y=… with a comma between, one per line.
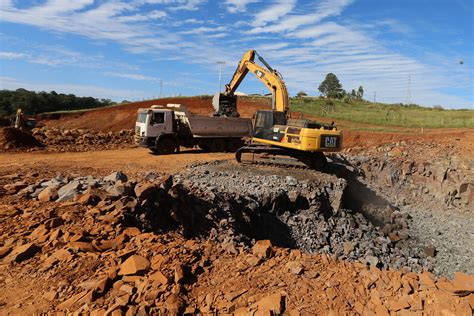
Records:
x=121, y=49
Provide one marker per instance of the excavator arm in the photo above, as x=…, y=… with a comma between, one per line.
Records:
x=269, y=76
x=240, y=72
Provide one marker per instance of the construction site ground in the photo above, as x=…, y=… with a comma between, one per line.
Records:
x=92, y=254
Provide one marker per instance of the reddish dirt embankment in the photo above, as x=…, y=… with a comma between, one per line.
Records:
x=116, y=118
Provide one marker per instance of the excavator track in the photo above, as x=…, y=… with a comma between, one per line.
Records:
x=268, y=155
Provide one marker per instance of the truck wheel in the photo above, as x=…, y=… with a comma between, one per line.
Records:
x=218, y=145
x=166, y=146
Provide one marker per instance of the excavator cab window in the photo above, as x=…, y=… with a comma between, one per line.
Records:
x=265, y=120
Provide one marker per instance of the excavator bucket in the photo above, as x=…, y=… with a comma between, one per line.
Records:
x=225, y=105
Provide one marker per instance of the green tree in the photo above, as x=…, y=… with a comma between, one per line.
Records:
x=38, y=102
x=331, y=87
x=301, y=94
x=353, y=94
x=360, y=93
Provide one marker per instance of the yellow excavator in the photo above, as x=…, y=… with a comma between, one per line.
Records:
x=278, y=138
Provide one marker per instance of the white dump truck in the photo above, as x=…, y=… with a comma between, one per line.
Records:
x=164, y=129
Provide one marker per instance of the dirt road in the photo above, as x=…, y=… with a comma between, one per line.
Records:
x=130, y=161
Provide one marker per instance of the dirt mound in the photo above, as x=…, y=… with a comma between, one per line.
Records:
x=120, y=117
x=11, y=138
x=59, y=139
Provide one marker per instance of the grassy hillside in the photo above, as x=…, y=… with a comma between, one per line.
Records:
x=385, y=114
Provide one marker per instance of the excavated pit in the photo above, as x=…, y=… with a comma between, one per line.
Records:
x=237, y=205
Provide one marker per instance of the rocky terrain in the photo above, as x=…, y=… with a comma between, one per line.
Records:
x=63, y=140
x=385, y=229
x=118, y=245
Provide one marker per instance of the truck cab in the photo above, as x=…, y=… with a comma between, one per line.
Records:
x=165, y=129
x=153, y=123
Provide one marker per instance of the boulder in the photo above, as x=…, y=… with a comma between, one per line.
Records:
x=174, y=304
x=13, y=188
x=115, y=176
x=463, y=284
x=159, y=277
x=8, y=211
x=48, y=194
x=134, y=265
x=71, y=186
x=272, y=305
x=146, y=190
x=119, y=188
x=262, y=248
x=24, y=252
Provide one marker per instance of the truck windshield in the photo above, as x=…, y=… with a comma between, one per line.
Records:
x=142, y=117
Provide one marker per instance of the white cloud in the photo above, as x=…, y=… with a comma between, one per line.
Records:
x=235, y=6
x=218, y=35
x=325, y=9
x=204, y=29
x=188, y=5
x=131, y=76
x=54, y=7
x=155, y=14
x=274, y=12
x=13, y=55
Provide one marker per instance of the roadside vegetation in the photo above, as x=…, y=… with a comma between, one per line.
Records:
x=362, y=111
x=336, y=103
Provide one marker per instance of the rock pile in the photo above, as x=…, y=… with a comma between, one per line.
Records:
x=307, y=214
x=59, y=139
x=112, y=245
x=13, y=138
x=208, y=203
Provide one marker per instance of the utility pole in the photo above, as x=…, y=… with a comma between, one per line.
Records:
x=409, y=90
x=220, y=63
x=161, y=89
x=375, y=95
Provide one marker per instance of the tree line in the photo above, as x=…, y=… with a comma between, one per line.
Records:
x=332, y=88
x=39, y=102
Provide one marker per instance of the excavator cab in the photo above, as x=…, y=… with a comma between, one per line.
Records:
x=265, y=120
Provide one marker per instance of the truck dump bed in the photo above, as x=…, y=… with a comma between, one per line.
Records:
x=204, y=126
